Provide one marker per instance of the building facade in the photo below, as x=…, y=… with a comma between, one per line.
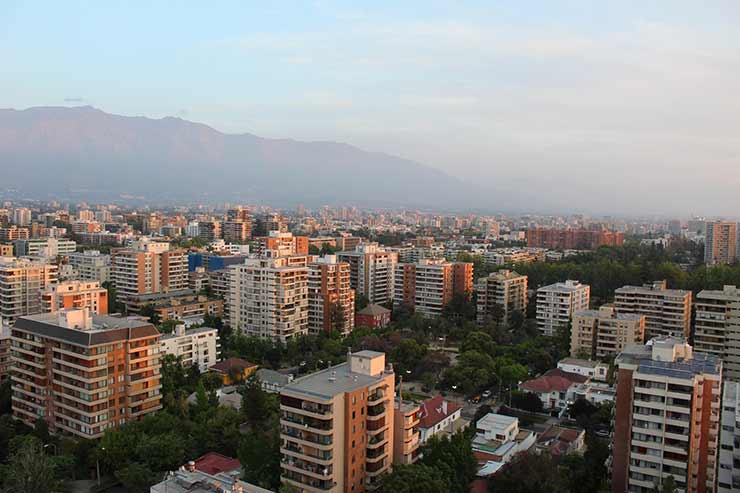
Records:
x=500, y=295
x=429, y=285
x=281, y=244
x=197, y=347
x=667, y=311
x=21, y=282
x=728, y=473
x=336, y=426
x=76, y=294
x=667, y=417
x=331, y=300
x=83, y=373
x=372, y=271
x=598, y=334
x=91, y=265
x=720, y=244
x=557, y=303
x=717, y=327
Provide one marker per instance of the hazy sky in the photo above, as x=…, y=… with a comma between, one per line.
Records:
x=608, y=106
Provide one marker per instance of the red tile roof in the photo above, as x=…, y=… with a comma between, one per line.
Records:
x=213, y=463
x=555, y=380
x=558, y=440
x=432, y=413
x=227, y=364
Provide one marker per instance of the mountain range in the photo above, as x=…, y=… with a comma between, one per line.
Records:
x=84, y=153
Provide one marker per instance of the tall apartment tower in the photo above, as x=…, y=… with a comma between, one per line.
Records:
x=720, y=245
x=75, y=295
x=598, y=334
x=430, y=284
x=667, y=311
x=331, y=301
x=281, y=244
x=209, y=230
x=336, y=426
x=372, y=271
x=21, y=284
x=728, y=473
x=268, y=297
x=667, y=417
x=83, y=373
x=717, y=327
x=147, y=268
x=503, y=290
x=557, y=303
x=91, y=265
x=237, y=228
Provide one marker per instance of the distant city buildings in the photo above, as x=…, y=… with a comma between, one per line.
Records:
x=572, y=239
x=557, y=303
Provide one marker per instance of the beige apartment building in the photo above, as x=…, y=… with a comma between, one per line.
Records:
x=147, y=267
x=91, y=265
x=557, y=303
x=331, y=300
x=667, y=417
x=268, y=297
x=13, y=233
x=76, y=294
x=429, y=285
x=84, y=373
x=406, y=433
x=720, y=245
x=372, y=271
x=598, y=334
x=717, y=327
x=667, y=311
x=209, y=230
x=281, y=244
x=336, y=426
x=504, y=291
x=21, y=284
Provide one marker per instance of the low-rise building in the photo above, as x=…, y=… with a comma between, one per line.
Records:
x=406, y=435
x=233, y=370
x=595, y=370
x=556, y=388
x=559, y=440
x=48, y=247
x=438, y=415
x=272, y=381
x=373, y=316
x=498, y=439
x=199, y=347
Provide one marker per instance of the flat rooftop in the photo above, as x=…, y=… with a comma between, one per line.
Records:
x=105, y=329
x=325, y=384
x=612, y=316
x=642, y=356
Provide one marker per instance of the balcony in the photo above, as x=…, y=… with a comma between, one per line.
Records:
x=306, y=436
x=307, y=468
x=309, y=423
x=304, y=483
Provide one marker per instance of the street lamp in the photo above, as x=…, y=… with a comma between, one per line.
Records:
x=51, y=445
x=97, y=463
x=454, y=392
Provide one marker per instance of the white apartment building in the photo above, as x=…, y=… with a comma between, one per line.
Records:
x=48, y=247
x=667, y=311
x=557, y=303
x=91, y=265
x=268, y=297
x=372, y=271
x=717, y=327
x=728, y=473
x=198, y=347
x=21, y=284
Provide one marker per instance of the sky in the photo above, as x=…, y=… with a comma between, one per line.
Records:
x=585, y=106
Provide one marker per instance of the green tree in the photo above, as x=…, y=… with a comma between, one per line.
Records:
x=414, y=478
x=29, y=469
x=259, y=454
x=453, y=458
x=149, y=311
x=255, y=406
x=136, y=477
x=529, y=473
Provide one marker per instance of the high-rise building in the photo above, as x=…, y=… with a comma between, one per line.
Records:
x=372, y=271
x=667, y=417
x=667, y=311
x=728, y=472
x=74, y=295
x=430, y=284
x=720, y=244
x=5, y=353
x=598, y=334
x=197, y=347
x=91, y=265
x=209, y=230
x=237, y=230
x=83, y=373
x=13, y=233
x=268, y=297
x=281, y=244
x=21, y=284
x=147, y=267
x=717, y=327
x=557, y=303
x=499, y=295
x=22, y=216
x=331, y=302
x=337, y=426
x=570, y=239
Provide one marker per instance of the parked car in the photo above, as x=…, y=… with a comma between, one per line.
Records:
x=486, y=394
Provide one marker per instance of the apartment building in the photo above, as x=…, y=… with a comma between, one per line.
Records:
x=500, y=295
x=209, y=230
x=50, y=247
x=331, y=301
x=84, y=373
x=197, y=347
x=21, y=284
x=13, y=233
x=429, y=285
x=6, y=250
x=372, y=271
x=147, y=267
x=336, y=426
x=598, y=334
x=728, y=473
x=22, y=216
x=720, y=244
x=557, y=303
x=237, y=230
x=268, y=297
x=667, y=311
x=573, y=239
x=91, y=265
x=75, y=294
x=717, y=327
x=406, y=434
x=5, y=358
x=281, y=244
x=667, y=417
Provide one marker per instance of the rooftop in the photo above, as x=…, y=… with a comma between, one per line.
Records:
x=214, y=463
x=585, y=363
x=231, y=363
x=670, y=357
x=564, y=287
x=188, y=332
x=553, y=380
x=435, y=410
x=104, y=330
x=373, y=309
x=654, y=287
